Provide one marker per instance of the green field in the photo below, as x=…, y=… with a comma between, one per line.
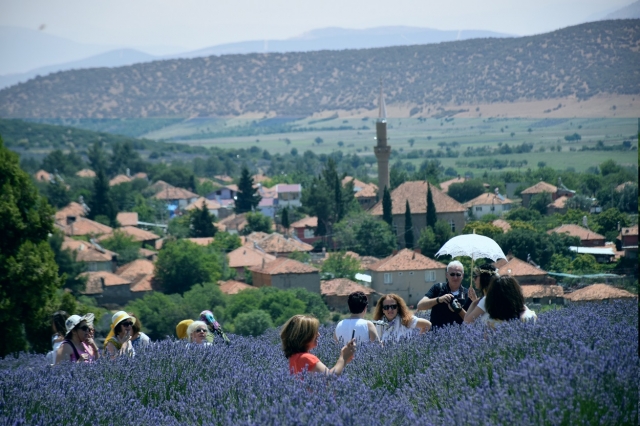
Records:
x=429, y=133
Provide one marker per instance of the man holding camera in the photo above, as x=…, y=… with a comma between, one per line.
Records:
x=448, y=301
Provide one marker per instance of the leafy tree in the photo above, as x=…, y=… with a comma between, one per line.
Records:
x=57, y=194
x=124, y=157
x=585, y=264
x=285, y=218
x=29, y=274
x=180, y=227
x=248, y=197
x=203, y=296
x=524, y=215
x=540, y=245
x=279, y=304
x=202, y=223
x=559, y=263
x=427, y=242
x=375, y=238
x=160, y=313
x=69, y=269
x=252, y=323
x=579, y=202
x=432, y=218
x=465, y=191
x=149, y=209
x=257, y=222
x=341, y=265
x=408, y=227
x=314, y=305
x=519, y=224
x=609, y=167
x=128, y=250
x=226, y=242
x=482, y=228
x=442, y=231
x=539, y=202
x=387, y=207
x=100, y=201
x=300, y=256
x=181, y=264
x=97, y=157
x=608, y=220
x=64, y=164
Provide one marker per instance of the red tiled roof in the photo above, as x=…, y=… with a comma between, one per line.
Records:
x=278, y=243
x=174, y=193
x=143, y=283
x=447, y=183
x=234, y=287
x=86, y=173
x=342, y=287
x=203, y=241
x=43, y=176
x=577, y=231
x=127, y=218
x=160, y=186
x=501, y=223
x=224, y=178
x=629, y=232
x=234, y=221
x=416, y=193
x=87, y=252
x=94, y=281
x=599, y=292
x=71, y=209
x=536, y=290
x=518, y=268
x=406, y=260
x=84, y=226
x=368, y=191
x=283, y=265
x=140, y=175
x=541, y=187
x=559, y=203
x=119, y=179
x=306, y=222
x=137, y=234
x=294, y=187
x=247, y=256
x=146, y=252
x=621, y=187
x=487, y=199
x=197, y=204
x=138, y=267
x=232, y=187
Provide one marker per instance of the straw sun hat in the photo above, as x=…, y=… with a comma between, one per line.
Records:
x=74, y=320
x=116, y=319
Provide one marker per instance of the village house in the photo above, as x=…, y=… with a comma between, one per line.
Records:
x=233, y=224
x=598, y=293
x=588, y=238
x=447, y=209
x=489, y=203
x=43, y=176
x=537, y=294
x=629, y=241
x=86, y=173
x=81, y=226
x=524, y=272
x=558, y=206
x=92, y=255
x=502, y=224
x=285, y=274
x=160, y=186
x=211, y=205
x=541, y=187
x=228, y=193
x=289, y=195
x=138, y=235
x=117, y=180
x=177, y=197
x=365, y=193
x=72, y=210
x=335, y=294
x=277, y=244
x=247, y=256
x=107, y=288
x=406, y=273
x=444, y=186
x=305, y=228
x=605, y=254
x=127, y=218
x=234, y=287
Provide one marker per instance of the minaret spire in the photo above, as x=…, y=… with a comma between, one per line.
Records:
x=382, y=150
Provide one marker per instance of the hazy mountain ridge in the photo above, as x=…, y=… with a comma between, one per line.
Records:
x=582, y=61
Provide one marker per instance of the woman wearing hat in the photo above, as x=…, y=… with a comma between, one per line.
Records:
x=73, y=347
x=181, y=329
x=118, y=341
x=213, y=326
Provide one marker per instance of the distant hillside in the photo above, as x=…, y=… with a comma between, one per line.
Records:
x=581, y=61
x=631, y=11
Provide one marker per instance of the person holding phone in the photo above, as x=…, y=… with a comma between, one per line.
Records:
x=118, y=341
x=448, y=301
x=356, y=326
x=397, y=320
x=300, y=335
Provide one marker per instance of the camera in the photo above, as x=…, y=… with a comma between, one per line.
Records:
x=455, y=305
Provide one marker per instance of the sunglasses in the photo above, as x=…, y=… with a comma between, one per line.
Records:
x=387, y=307
x=127, y=324
x=455, y=274
x=86, y=328
x=201, y=330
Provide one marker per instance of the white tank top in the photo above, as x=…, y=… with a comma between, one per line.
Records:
x=345, y=328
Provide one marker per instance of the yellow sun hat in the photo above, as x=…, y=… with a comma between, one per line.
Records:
x=116, y=319
x=181, y=328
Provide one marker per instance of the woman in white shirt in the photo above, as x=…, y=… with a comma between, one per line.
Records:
x=482, y=276
x=398, y=320
x=505, y=302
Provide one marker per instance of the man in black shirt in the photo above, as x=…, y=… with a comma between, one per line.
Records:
x=448, y=301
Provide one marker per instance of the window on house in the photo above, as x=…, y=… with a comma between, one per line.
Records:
x=399, y=274
x=493, y=208
x=308, y=233
x=506, y=207
x=429, y=276
x=411, y=273
x=452, y=224
x=536, y=300
x=478, y=208
x=93, y=267
x=387, y=278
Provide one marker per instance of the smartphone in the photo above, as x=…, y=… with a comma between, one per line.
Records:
x=353, y=334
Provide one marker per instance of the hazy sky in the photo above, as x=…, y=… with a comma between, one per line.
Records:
x=195, y=24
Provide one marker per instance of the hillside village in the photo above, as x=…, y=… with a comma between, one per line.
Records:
x=288, y=256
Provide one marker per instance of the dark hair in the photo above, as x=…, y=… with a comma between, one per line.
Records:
x=136, y=327
x=504, y=299
x=403, y=312
x=486, y=273
x=357, y=302
x=58, y=320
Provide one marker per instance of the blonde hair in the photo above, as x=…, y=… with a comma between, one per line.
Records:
x=403, y=311
x=192, y=327
x=297, y=333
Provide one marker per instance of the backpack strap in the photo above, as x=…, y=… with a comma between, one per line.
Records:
x=75, y=351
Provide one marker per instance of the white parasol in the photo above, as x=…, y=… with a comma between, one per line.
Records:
x=474, y=246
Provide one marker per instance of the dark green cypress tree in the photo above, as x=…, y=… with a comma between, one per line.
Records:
x=248, y=197
x=408, y=227
x=285, y=218
x=100, y=202
x=387, y=207
x=432, y=218
x=202, y=223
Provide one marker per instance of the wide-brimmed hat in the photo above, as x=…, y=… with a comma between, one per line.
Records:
x=181, y=328
x=120, y=316
x=74, y=320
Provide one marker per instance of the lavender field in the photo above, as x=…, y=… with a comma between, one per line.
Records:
x=577, y=365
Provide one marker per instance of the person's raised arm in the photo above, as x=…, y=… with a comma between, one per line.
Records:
x=423, y=325
x=346, y=355
x=473, y=313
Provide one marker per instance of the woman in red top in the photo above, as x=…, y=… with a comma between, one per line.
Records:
x=299, y=335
